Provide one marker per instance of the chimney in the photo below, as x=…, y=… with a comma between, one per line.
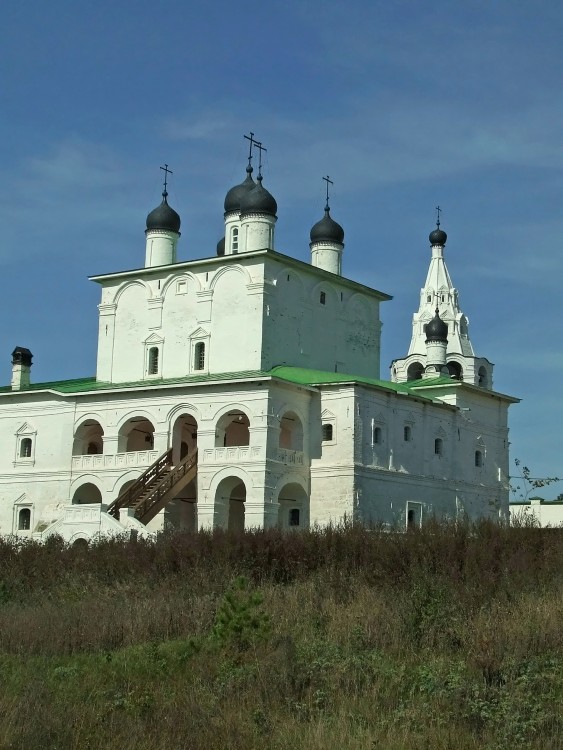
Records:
x=21, y=368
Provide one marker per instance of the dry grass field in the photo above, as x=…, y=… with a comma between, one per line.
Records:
x=345, y=638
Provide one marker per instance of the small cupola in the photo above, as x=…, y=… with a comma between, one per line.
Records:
x=163, y=231
x=258, y=201
x=221, y=247
x=163, y=217
x=327, y=230
x=438, y=237
x=437, y=329
x=327, y=240
x=235, y=195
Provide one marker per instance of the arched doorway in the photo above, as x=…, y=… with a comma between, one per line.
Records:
x=87, y=493
x=291, y=432
x=232, y=428
x=293, y=512
x=137, y=434
x=230, y=499
x=184, y=437
x=88, y=439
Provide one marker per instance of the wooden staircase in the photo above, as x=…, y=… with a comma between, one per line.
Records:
x=159, y=484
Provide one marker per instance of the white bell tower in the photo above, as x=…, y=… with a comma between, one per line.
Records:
x=440, y=297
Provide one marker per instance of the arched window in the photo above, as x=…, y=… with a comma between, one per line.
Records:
x=322, y=298
x=407, y=433
x=234, y=244
x=415, y=371
x=153, y=360
x=478, y=458
x=294, y=517
x=483, y=380
x=438, y=447
x=199, y=356
x=327, y=432
x=24, y=519
x=25, y=448
x=455, y=370
x=92, y=449
x=377, y=436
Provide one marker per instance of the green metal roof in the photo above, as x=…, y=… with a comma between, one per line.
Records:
x=304, y=376
x=84, y=385
x=295, y=375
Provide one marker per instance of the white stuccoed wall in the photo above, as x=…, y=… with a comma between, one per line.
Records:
x=251, y=311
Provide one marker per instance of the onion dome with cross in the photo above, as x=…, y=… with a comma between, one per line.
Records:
x=438, y=236
x=163, y=217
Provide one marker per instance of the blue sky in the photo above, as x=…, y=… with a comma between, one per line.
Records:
x=405, y=104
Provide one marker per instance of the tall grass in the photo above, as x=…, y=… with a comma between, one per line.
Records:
x=339, y=637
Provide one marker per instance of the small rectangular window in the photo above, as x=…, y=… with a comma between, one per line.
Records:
x=182, y=287
x=294, y=517
x=25, y=448
x=407, y=434
x=377, y=436
x=199, y=356
x=327, y=432
x=322, y=298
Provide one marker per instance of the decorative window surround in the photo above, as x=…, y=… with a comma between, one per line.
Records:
x=153, y=362
x=25, y=451
x=199, y=336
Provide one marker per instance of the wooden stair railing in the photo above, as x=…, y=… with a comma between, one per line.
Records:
x=129, y=497
x=155, y=498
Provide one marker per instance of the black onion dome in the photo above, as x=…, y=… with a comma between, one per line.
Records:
x=327, y=230
x=221, y=246
x=258, y=201
x=164, y=217
x=438, y=237
x=235, y=195
x=437, y=330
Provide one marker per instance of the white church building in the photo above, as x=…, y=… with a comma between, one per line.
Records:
x=243, y=390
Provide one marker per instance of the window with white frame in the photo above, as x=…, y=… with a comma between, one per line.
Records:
x=413, y=515
x=25, y=445
x=234, y=243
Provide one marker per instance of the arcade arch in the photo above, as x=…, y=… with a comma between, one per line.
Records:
x=291, y=432
x=184, y=437
x=136, y=434
x=293, y=512
x=86, y=494
x=230, y=498
x=233, y=428
x=88, y=438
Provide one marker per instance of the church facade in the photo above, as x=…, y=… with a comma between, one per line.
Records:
x=243, y=390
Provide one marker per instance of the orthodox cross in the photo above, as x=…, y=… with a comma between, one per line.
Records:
x=251, y=140
x=260, y=148
x=166, y=173
x=327, y=180
x=438, y=211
